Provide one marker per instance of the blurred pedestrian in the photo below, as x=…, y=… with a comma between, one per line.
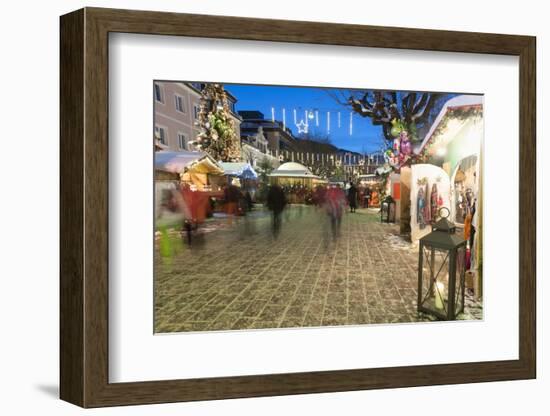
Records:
x=352, y=197
x=276, y=203
x=335, y=200
x=318, y=197
x=248, y=199
x=231, y=196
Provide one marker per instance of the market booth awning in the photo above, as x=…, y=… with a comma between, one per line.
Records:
x=370, y=178
x=238, y=169
x=180, y=162
x=292, y=173
x=293, y=170
x=457, y=130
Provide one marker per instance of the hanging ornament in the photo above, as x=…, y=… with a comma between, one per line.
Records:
x=396, y=145
x=396, y=128
x=328, y=122
x=339, y=123
x=350, y=124
x=405, y=143
x=316, y=118
x=284, y=119
x=310, y=115
x=273, y=114
x=217, y=133
x=295, y=121
x=302, y=127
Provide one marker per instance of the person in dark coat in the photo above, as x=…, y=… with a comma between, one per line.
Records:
x=248, y=199
x=276, y=202
x=352, y=197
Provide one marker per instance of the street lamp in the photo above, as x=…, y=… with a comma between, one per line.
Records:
x=441, y=271
x=387, y=210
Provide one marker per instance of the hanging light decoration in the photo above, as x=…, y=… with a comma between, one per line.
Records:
x=302, y=127
x=311, y=114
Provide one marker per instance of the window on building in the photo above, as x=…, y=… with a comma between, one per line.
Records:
x=182, y=141
x=160, y=132
x=180, y=104
x=158, y=93
x=196, y=85
x=196, y=112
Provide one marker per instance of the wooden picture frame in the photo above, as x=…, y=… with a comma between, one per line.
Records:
x=84, y=207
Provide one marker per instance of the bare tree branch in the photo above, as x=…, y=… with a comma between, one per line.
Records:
x=425, y=110
x=420, y=103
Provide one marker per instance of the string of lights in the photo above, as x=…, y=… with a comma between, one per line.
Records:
x=303, y=124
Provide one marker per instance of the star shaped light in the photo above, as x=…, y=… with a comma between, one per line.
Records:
x=302, y=127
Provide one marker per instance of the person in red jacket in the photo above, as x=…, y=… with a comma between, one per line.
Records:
x=335, y=201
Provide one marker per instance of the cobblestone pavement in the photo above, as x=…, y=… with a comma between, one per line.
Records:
x=239, y=277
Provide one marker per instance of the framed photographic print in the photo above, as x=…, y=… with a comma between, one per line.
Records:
x=255, y=207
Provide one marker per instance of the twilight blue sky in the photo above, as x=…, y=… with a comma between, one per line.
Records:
x=365, y=136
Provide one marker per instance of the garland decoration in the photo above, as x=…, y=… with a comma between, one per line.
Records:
x=217, y=134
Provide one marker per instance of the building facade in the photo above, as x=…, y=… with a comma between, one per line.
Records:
x=177, y=108
x=278, y=137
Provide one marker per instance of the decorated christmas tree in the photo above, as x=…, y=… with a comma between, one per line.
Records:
x=217, y=135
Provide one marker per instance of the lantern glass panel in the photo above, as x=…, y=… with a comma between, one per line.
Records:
x=460, y=276
x=387, y=210
x=435, y=279
x=384, y=211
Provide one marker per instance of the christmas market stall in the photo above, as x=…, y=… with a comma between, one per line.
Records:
x=195, y=176
x=430, y=192
x=369, y=186
x=453, y=147
x=243, y=176
x=240, y=174
x=292, y=173
x=297, y=181
x=370, y=179
x=454, y=144
x=195, y=169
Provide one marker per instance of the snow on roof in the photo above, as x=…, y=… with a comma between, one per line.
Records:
x=293, y=166
x=456, y=102
x=293, y=169
x=240, y=169
x=177, y=162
